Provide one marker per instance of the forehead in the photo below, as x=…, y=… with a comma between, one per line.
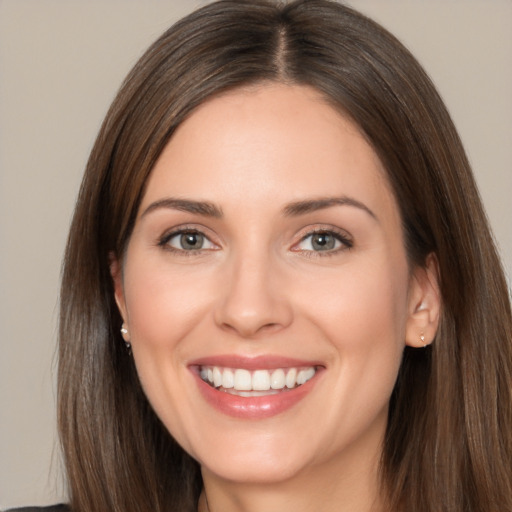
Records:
x=271, y=143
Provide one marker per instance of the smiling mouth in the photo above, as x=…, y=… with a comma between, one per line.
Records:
x=245, y=383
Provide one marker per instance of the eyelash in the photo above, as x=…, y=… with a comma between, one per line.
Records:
x=342, y=238
x=167, y=237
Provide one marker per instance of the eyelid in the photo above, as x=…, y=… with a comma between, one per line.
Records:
x=340, y=235
x=163, y=240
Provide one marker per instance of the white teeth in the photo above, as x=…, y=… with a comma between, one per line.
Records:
x=291, y=378
x=217, y=377
x=277, y=381
x=228, y=379
x=305, y=375
x=243, y=380
x=309, y=374
x=257, y=383
x=260, y=380
x=253, y=393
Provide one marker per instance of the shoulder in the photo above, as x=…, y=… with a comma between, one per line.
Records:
x=52, y=508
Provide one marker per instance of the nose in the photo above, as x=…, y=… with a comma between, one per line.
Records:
x=254, y=301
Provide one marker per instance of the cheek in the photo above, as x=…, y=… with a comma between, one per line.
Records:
x=163, y=307
x=162, y=304
x=367, y=302
x=363, y=317
x=364, y=320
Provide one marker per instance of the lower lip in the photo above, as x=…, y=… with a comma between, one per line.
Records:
x=258, y=407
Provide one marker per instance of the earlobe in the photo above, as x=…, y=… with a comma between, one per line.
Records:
x=424, y=304
x=117, y=279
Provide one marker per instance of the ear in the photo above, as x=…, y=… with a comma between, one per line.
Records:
x=424, y=304
x=117, y=278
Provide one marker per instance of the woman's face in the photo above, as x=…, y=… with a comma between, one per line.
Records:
x=266, y=289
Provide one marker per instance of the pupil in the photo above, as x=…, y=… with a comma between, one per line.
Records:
x=323, y=241
x=191, y=240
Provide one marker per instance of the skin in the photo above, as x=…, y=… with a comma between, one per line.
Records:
x=259, y=287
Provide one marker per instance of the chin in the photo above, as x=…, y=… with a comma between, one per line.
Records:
x=267, y=470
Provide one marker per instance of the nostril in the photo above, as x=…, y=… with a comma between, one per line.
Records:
x=250, y=331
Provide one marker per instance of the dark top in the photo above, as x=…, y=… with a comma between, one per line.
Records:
x=52, y=508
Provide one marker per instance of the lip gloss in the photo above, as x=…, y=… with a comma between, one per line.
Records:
x=254, y=407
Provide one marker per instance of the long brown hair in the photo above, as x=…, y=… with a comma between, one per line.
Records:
x=448, y=446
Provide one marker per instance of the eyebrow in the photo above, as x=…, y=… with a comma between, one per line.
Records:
x=208, y=209
x=313, y=205
x=204, y=208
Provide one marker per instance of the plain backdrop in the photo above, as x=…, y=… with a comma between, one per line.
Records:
x=61, y=62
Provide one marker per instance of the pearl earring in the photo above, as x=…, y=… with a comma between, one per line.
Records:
x=422, y=339
x=124, y=332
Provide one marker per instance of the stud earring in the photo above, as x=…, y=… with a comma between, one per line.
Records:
x=124, y=332
x=422, y=339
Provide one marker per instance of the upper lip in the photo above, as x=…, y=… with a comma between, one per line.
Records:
x=267, y=362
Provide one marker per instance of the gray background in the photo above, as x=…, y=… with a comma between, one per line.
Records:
x=61, y=62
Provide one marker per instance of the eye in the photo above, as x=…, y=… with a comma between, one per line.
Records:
x=187, y=240
x=323, y=241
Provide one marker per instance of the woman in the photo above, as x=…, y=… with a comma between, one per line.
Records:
x=280, y=290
